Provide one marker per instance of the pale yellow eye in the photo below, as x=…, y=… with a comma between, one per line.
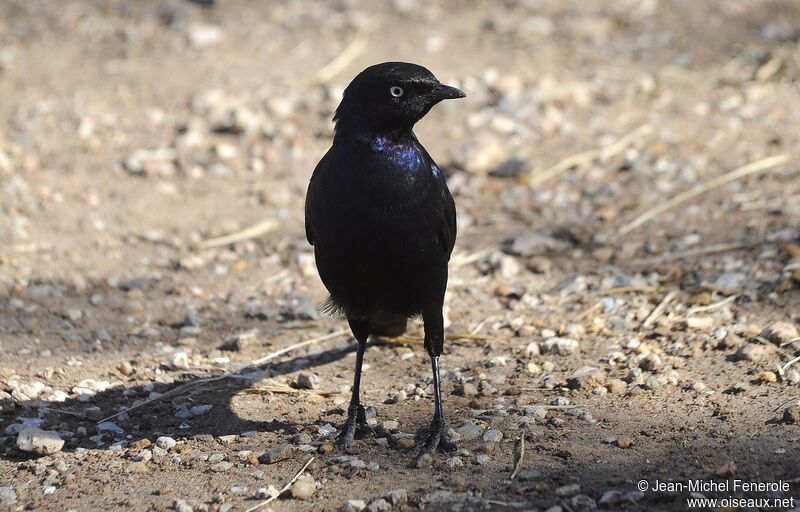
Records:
x=396, y=91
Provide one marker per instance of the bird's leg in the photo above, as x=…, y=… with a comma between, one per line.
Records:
x=356, y=415
x=436, y=434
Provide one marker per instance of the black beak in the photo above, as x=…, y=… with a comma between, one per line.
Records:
x=445, y=92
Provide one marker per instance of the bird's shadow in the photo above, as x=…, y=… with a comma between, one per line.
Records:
x=152, y=409
x=94, y=420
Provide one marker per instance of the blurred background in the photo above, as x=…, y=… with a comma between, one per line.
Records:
x=626, y=176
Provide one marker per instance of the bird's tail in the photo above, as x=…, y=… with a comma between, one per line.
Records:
x=387, y=325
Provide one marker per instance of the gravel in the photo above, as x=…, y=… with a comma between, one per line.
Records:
x=113, y=298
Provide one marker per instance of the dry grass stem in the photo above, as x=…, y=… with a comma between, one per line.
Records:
x=700, y=251
x=659, y=310
x=341, y=61
x=312, y=341
x=254, y=231
x=746, y=170
x=587, y=157
x=712, y=307
x=518, y=465
x=283, y=489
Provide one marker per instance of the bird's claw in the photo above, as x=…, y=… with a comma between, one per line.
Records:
x=436, y=437
x=356, y=420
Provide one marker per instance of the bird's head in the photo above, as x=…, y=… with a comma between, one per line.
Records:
x=389, y=98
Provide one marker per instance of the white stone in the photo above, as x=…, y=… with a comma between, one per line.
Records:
x=41, y=442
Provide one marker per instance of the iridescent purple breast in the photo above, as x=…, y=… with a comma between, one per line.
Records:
x=403, y=155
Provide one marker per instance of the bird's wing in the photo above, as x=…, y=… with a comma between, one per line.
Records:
x=450, y=220
x=319, y=170
x=309, y=232
x=447, y=230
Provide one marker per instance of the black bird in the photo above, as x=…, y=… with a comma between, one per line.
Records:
x=383, y=223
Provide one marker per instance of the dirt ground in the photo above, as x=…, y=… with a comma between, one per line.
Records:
x=135, y=133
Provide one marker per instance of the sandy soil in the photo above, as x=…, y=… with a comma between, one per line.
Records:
x=134, y=132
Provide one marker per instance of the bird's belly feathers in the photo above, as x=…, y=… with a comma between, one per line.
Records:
x=379, y=262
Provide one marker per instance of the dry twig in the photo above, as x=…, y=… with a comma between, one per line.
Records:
x=518, y=465
x=789, y=364
x=700, y=251
x=273, y=355
x=283, y=489
x=621, y=290
x=652, y=317
x=587, y=157
x=712, y=307
x=746, y=170
x=254, y=231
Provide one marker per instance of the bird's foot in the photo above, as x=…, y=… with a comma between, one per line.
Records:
x=435, y=437
x=356, y=420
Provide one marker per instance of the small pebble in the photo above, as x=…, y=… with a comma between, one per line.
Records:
x=565, y=491
x=454, y=462
x=586, y=377
x=379, y=505
x=276, y=454
x=493, y=436
x=182, y=506
x=470, y=432
x=307, y=380
x=38, y=441
x=780, y=333
x=791, y=415
x=423, y=461
x=166, y=443
x=624, y=442
x=304, y=487
x=561, y=346
x=768, y=377
x=266, y=492
x=397, y=497
x=753, y=352
x=609, y=499
x=354, y=506
x=221, y=467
